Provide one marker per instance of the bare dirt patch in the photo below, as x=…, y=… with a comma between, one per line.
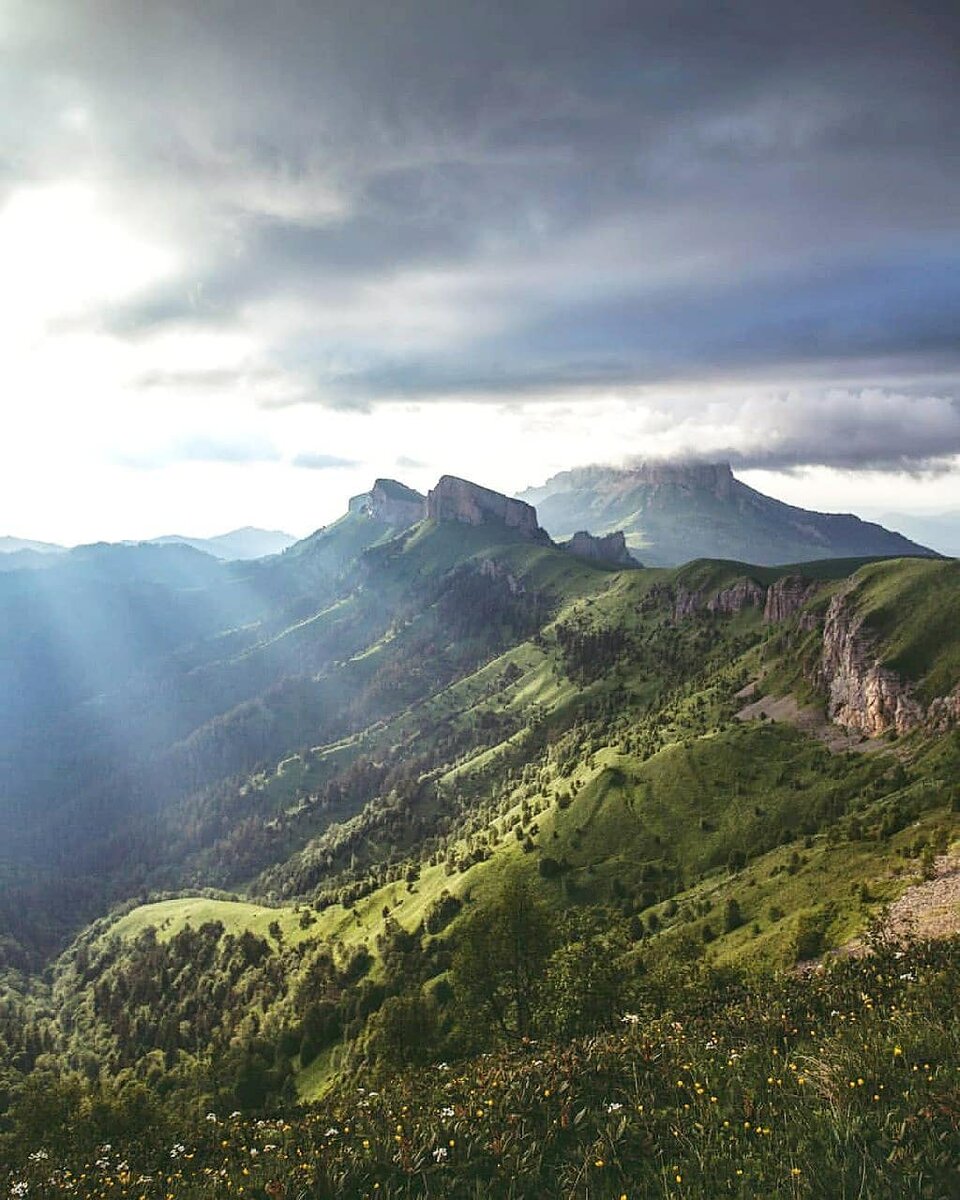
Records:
x=930, y=909
x=808, y=719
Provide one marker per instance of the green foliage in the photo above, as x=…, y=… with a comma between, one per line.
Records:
x=499, y=963
x=402, y=1035
x=840, y=1083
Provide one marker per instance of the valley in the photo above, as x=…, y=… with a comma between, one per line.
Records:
x=365, y=768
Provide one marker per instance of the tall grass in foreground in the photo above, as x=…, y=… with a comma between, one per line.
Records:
x=842, y=1083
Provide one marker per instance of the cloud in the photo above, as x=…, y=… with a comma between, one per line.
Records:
x=323, y=462
x=848, y=429
x=412, y=464
x=554, y=203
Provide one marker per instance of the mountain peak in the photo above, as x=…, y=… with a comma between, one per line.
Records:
x=391, y=502
x=455, y=499
x=673, y=512
x=717, y=477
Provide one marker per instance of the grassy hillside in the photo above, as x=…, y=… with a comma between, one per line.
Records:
x=912, y=607
x=516, y=737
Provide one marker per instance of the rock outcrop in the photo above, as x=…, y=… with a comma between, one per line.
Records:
x=456, y=499
x=745, y=593
x=611, y=550
x=786, y=596
x=862, y=693
x=392, y=503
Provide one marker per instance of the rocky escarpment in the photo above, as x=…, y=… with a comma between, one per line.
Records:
x=392, y=503
x=787, y=596
x=781, y=601
x=745, y=593
x=611, y=550
x=456, y=499
x=862, y=693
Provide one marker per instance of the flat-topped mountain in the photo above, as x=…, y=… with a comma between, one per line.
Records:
x=391, y=502
x=456, y=499
x=675, y=512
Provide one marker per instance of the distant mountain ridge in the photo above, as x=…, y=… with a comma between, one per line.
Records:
x=675, y=512
x=15, y=545
x=239, y=545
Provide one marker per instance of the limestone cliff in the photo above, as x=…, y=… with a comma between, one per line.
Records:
x=392, y=503
x=786, y=596
x=456, y=499
x=861, y=692
x=745, y=593
x=611, y=550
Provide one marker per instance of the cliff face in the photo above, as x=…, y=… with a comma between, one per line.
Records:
x=786, y=596
x=456, y=499
x=863, y=694
x=392, y=503
x=743, y=594
x=611, y=549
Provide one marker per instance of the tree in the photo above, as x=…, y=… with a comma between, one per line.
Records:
x=499, y=964
x=732, y=916
x=403, y=1034
x=584, y=987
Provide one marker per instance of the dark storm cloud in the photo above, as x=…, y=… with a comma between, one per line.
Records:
x=486, y=201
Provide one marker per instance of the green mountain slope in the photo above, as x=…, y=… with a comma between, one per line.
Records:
x=431, y=746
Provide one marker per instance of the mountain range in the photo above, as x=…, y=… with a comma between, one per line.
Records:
x=674, y=512
x=237, y=545
x=429, y=787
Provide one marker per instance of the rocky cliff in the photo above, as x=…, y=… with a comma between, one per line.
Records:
x=786, y=596
x=745, y=593
x=456, y=499
x=611, y=550
x=861, y=692
x=781, y=601
x=392, y=503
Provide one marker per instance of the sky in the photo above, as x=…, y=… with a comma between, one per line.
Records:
x=256, y=253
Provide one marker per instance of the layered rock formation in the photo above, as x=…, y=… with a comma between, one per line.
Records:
x=611, y=550
x=392, y=503
x=456, y=499
x=745, y=593
x=786, y=596
x=861, y=692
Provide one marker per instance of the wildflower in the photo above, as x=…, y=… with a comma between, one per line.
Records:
x=630, y=1018
x=446, y=1112
x=440, y=1154
x=39, y=1156
x=614, y=1107
x=211, y=1117
x=20, y=1188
